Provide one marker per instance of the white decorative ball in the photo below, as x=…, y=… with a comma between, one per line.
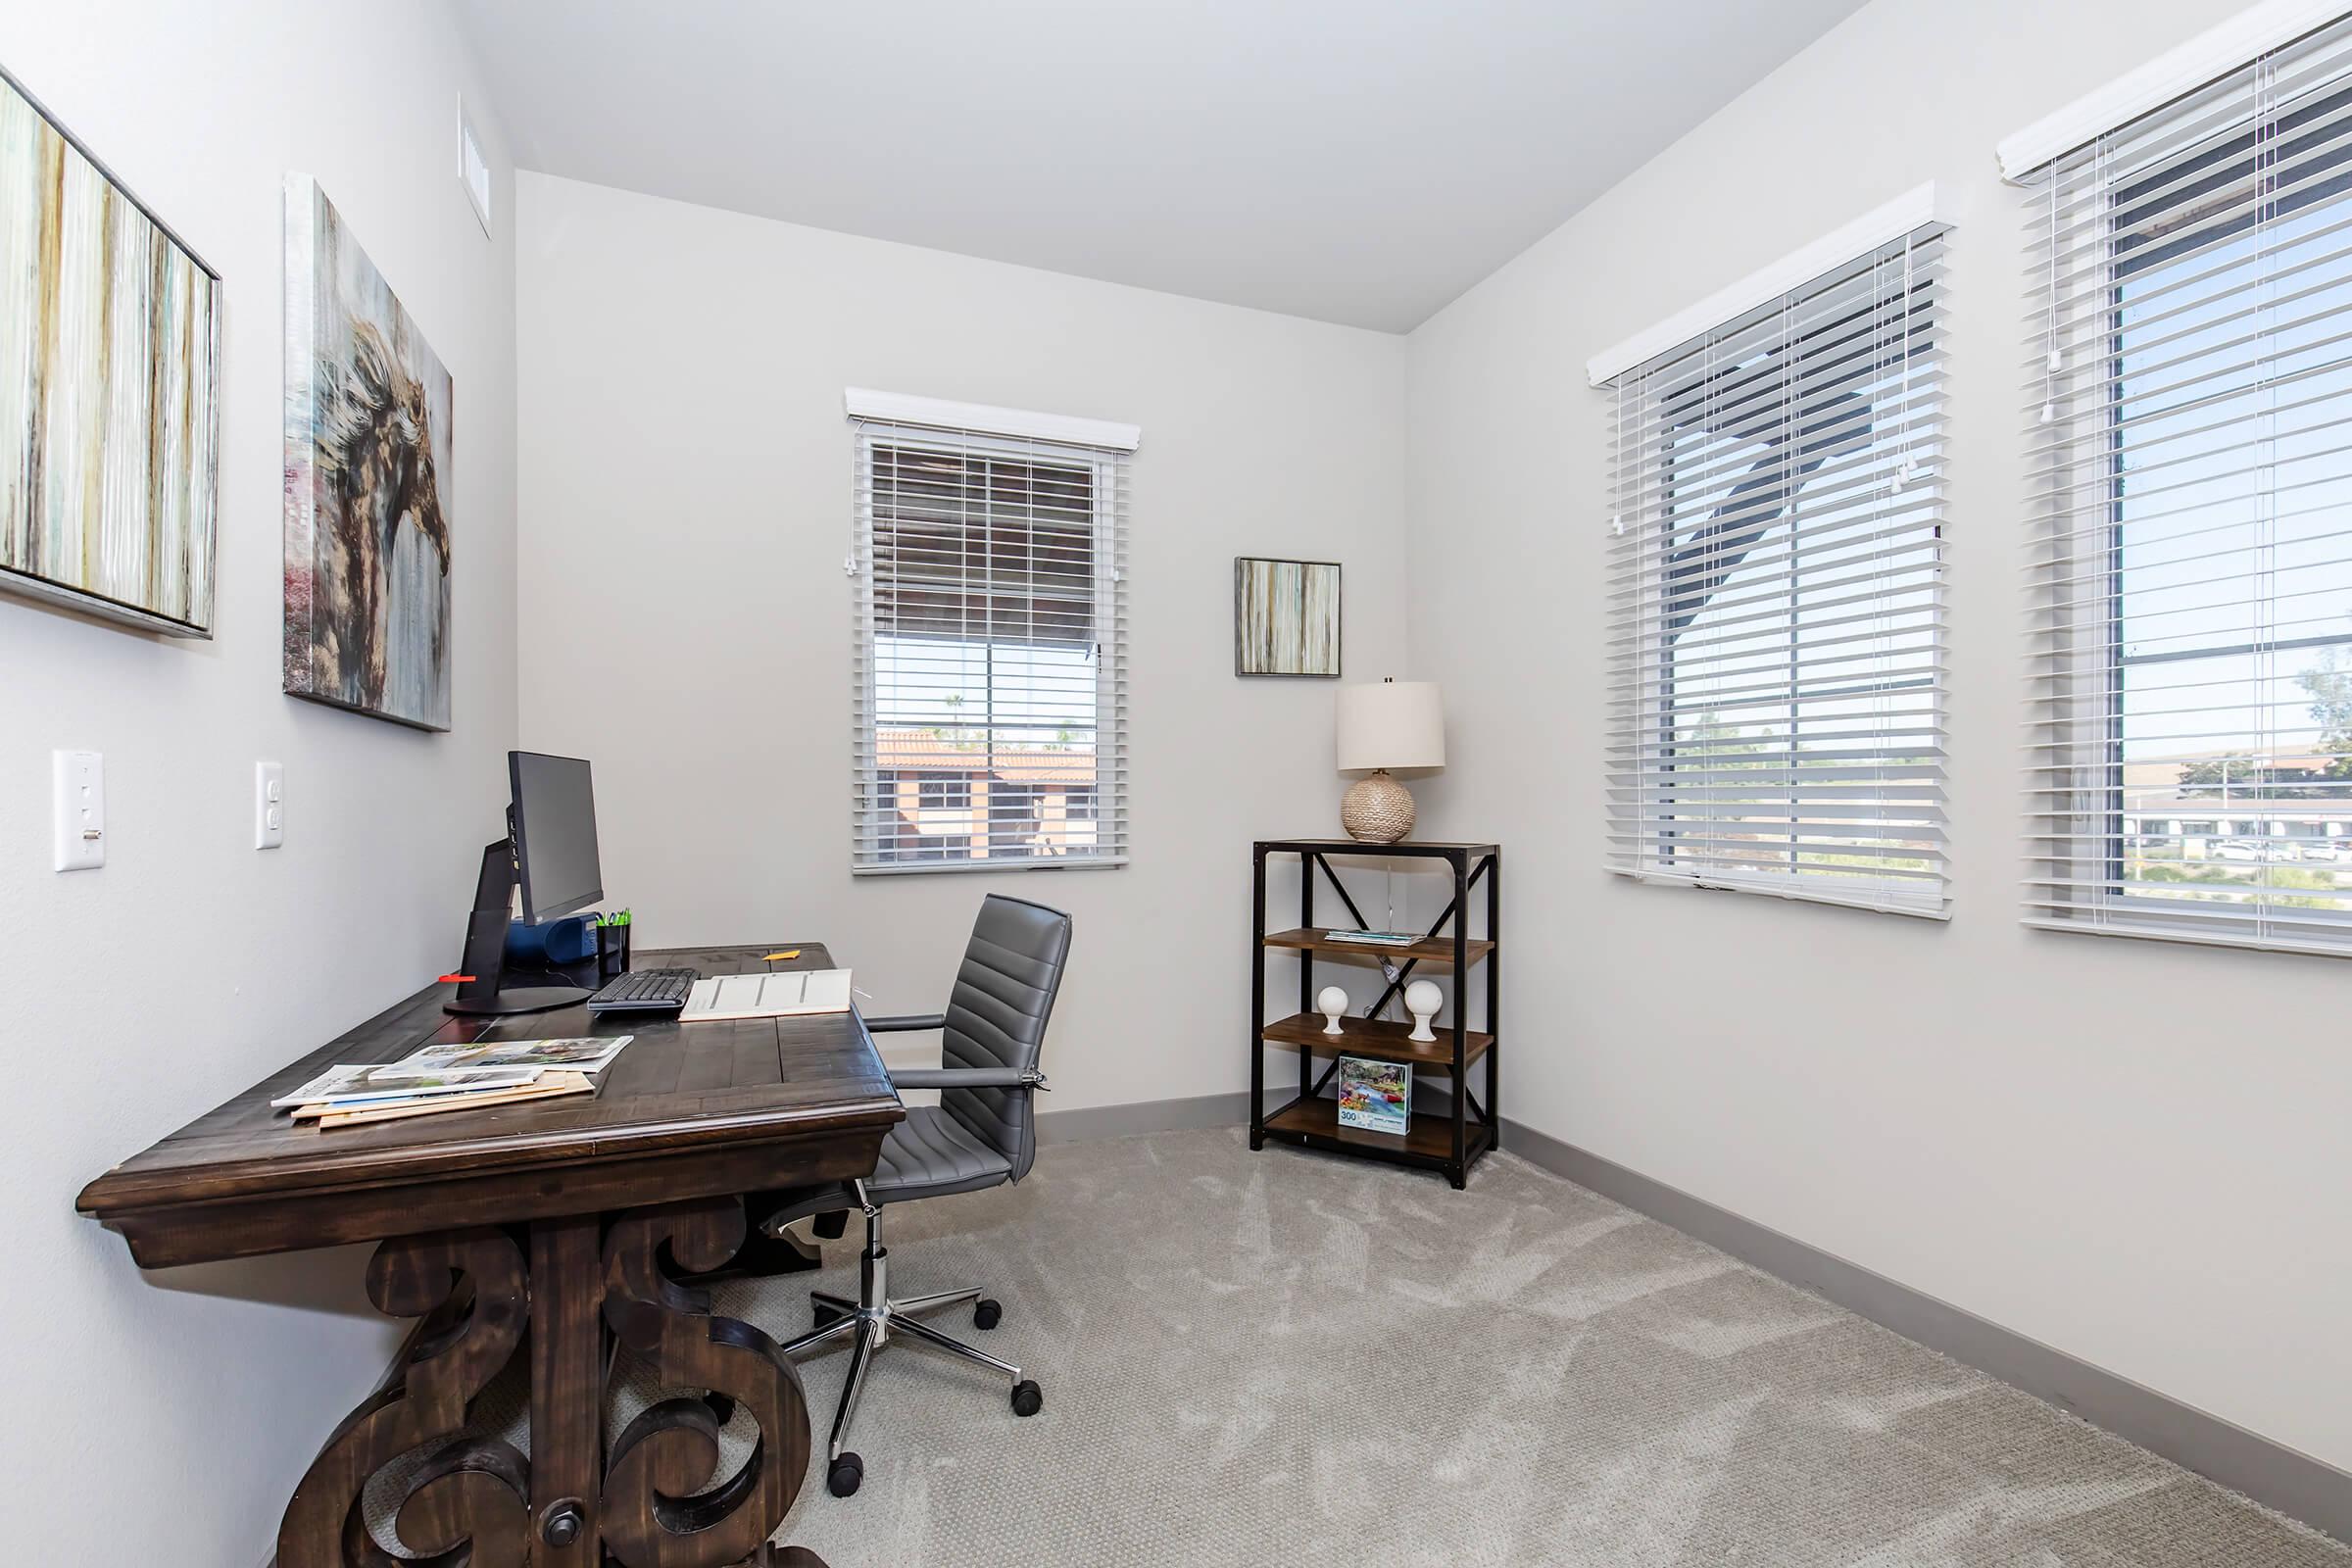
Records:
x=1330, y=1003
x=1423, y=998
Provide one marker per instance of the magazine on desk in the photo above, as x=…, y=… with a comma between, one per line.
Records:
x=590, y=1054
x=452, y=1076
x=352, y=1113
x=357, y=1081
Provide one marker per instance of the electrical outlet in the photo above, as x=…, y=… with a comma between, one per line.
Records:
x=269, y=804
x=79, y=809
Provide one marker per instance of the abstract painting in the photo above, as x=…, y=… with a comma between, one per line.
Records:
x=110, y=352
x=368, y=477
x=1286, y=618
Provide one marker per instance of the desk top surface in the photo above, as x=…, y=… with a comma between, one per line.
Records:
x=677, y=1087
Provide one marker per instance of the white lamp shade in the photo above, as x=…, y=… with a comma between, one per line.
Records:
x=1396, y=723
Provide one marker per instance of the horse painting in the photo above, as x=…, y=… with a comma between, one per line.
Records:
x=367, y=542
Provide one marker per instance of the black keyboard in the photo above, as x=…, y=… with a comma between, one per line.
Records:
x=645, y=990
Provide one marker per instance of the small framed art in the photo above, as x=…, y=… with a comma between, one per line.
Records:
x=1286, y=618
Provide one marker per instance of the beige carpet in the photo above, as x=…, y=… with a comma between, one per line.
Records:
x=1289, y=1359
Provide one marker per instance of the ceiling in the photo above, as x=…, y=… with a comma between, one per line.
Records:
x=1355, y=160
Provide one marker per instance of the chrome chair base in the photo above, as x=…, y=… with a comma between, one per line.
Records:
x=870, y=1323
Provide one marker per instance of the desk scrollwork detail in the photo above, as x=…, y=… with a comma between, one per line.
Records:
x=653, y=1515
x=467, y=1501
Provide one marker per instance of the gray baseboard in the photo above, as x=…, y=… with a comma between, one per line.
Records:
x=1143, y=1116
x=2276, y=1476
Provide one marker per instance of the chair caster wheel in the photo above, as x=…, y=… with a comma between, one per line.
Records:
x=1027, y=1398
x=844, y=1475
x=985, y=1314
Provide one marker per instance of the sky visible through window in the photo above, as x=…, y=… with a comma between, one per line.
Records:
x=2232, y=560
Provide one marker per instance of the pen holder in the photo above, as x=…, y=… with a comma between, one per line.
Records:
x=612, y=951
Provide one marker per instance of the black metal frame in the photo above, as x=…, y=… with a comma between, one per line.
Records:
x=1476, y=1128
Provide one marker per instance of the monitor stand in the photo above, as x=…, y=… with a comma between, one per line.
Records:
x=486, y=995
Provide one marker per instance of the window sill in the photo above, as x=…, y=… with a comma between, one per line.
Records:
x=1783, y=891
x=1064, y=862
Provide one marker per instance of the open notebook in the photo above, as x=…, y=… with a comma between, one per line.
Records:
x=780, y=994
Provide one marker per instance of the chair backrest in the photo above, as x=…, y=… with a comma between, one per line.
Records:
x=996, y=1018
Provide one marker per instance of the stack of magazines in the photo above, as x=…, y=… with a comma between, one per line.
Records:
x=1377, y=939
x=452, y=1077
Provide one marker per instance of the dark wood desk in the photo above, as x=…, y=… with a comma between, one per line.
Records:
x=571, y=1218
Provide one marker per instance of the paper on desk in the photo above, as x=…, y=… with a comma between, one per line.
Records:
x=586, y=1054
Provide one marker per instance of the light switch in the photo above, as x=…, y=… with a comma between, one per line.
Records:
x=269, y=804
x=79, y=809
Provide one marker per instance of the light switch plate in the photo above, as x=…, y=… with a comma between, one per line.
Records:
x=79, y=809
x=269, y=804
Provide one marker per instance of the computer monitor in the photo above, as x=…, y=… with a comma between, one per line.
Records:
x=553, y=822
x=551, y=847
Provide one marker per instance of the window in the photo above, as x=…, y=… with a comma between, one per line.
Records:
x=943, y=792
x=473, y=170
x=1777, y=637
x=2192, y=420
x=989, y=660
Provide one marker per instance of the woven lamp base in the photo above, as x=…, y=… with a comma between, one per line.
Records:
x=1376, y=810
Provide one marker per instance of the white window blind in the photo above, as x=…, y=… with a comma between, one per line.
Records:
x=1776, y=638
x=2188, y=409
x=991, y=696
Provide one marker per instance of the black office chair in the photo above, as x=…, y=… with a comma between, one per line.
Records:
x=981, y=1132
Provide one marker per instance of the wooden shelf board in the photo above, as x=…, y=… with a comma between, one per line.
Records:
x=1381, y=1038
x=1429, y=1138
x=1429, y=949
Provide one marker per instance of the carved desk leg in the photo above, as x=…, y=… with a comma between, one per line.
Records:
x=468, y=1287
x=567, y=1390
x=649, y=1517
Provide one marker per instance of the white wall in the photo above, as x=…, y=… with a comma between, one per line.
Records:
x=191, y=964
x=2133, y=1151
x=686, y=472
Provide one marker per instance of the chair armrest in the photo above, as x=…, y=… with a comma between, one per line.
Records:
x=966, y=1078
x=906, y=1021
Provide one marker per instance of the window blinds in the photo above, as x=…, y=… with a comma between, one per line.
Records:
x=2189, y=415
x=989, y=668
x=1777, y=632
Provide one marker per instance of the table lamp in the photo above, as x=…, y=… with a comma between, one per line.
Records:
x=1394, y=724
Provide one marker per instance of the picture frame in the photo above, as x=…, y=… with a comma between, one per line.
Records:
x=370, y=425
x=1288, y=617
x=110, y=389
